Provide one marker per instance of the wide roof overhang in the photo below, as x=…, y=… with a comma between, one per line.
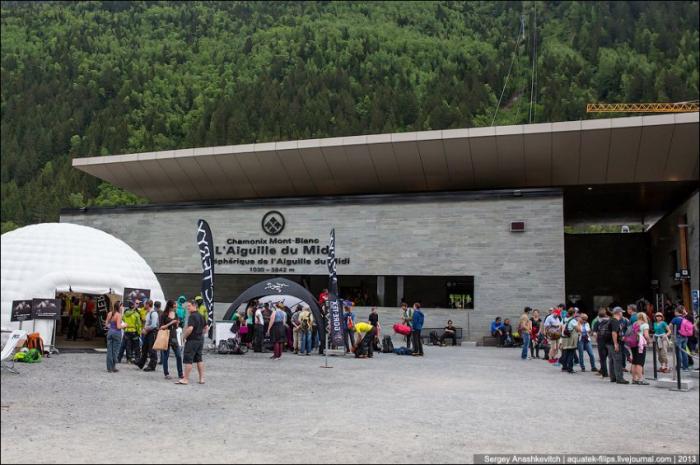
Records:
x=641, y=150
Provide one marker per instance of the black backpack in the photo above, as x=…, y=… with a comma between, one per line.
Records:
x=604, y=330
x=434, y=340
x=387, y=345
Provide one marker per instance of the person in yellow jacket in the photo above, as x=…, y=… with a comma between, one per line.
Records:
x=201, y=308
x=364, y=340
x=132, y=333
x=75, y=317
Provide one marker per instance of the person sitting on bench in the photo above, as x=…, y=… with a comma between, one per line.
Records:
x=497, y=330
x=449, y=332
x=507, y=334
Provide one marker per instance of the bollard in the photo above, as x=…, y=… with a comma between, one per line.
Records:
x=678, y=365
x=656, y=376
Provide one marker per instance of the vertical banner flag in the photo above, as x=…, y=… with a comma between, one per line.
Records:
x=205, y=244
x=333, y=300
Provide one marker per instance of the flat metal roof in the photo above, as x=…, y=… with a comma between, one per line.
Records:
x=640, y=149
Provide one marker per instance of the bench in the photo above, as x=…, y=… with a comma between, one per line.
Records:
x=425, y=335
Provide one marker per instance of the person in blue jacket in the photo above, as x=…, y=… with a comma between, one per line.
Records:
x=418, y=319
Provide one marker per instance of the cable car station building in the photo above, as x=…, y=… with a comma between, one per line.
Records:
x=470, y=222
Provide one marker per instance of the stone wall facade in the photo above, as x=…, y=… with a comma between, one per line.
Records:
x=427, y=235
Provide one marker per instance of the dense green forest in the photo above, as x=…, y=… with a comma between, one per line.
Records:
x=98, y=78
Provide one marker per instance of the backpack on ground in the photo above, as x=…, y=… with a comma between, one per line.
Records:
x=34, y=341
x=387, y=345
x=402, y=351
x=434, y=340
x=631, y=337
x=30, y=356
x=686, y=329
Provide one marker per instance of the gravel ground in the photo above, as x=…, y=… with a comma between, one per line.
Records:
x=444, y=407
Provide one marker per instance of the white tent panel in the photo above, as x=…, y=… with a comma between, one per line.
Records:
x=40, y=259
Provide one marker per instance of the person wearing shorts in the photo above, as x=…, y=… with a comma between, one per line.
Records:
x=194, y=343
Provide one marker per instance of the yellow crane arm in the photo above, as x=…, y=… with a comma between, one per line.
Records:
x=681, y=107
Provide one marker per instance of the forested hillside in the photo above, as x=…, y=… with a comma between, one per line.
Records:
x=98, y=78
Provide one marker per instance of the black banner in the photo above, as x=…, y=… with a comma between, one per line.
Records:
x=205, y=243
x=333, y=300
x=46, y=309
x=21, y=310
x=132, y=294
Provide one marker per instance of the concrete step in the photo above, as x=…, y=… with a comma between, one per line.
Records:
x=488, y=341
x=669, y=383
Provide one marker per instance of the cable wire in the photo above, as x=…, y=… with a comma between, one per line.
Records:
x=534, y=66
x=521, y=35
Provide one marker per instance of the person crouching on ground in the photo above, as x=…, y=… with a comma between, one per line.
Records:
x=194, y=343
x=417, y=327
x=364, y=340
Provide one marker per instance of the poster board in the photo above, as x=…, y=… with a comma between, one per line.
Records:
x=131, y=294
x=21, y=310
x=46, y=309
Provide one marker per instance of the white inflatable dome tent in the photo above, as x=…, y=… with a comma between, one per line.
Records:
x=42, y=259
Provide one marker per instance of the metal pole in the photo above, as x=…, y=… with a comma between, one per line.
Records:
x=656, y=376
x=678, y=365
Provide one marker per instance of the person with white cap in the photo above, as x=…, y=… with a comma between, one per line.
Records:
x=617, y=356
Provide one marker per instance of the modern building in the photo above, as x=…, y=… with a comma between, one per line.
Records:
x=471, y=222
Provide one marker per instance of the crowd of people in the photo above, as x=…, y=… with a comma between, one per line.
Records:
x=623, y=337
x=81, y=315
x=275, y=326
x=131, y=330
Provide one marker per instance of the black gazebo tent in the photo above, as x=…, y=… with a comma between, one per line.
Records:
x=281, y=286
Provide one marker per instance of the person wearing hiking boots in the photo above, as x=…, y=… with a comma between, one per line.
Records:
x=615, y=352
x=149, y=332
x=131, y=333
x=569, y=342
x=194, y=343
x=585, y=344
x=416, y=328
x=662, y=331
x=552, y=330
x=603, y=336
x=682, y=330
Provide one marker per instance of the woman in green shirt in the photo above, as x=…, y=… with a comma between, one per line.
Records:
x=661, y=333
